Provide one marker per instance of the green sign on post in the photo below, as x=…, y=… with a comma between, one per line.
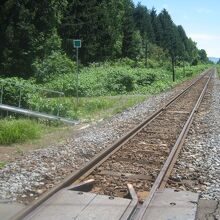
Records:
x=77, y=43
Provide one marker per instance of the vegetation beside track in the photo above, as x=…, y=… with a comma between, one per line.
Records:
x=2, y=164
x=104, y=90
x=20, y=130
x=98, y=88
x=126, y=62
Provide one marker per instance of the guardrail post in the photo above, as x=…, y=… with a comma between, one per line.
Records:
x=19, y=104
x=1, y=98
x=58, y=112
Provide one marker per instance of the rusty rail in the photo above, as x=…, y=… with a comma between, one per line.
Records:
x=170, y=162
x=101, y=157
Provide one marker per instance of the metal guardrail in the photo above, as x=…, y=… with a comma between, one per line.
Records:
x=31, y=113
x=20, y=87
x=5, y=82
x=37, y=114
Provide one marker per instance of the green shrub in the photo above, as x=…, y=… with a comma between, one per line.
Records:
x=118, y=81
x=52, y=106
x=52, y=66
x=90, y=82
x=146, y=79
x=11, y=91
x=16, y=131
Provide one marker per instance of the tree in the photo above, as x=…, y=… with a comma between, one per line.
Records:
x=184, y=40
x=192, y=51
x=98, y=24
x=33, y=31
x=27, y=30
x=143, y=22
x=156, y=25
x=111, y=14
x=81, y=22
x=203, y=56
x=128, y=29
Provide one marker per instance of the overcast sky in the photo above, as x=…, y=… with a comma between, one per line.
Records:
x=199, y=18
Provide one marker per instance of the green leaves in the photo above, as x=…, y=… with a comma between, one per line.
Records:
x=52, y=66
x=12, y=87
x=28, y=33
x=105, y=79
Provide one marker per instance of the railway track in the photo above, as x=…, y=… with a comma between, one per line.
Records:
x=138, y=164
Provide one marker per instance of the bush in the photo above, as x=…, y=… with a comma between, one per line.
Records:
x=54, y=65
x=119, y=81
x=11, y=91
x=145, y=80
x=51, y=105
x=16, y=131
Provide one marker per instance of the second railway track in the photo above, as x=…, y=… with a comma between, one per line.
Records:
x=138, y=157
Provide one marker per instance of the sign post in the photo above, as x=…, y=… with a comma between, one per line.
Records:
x=77, y=45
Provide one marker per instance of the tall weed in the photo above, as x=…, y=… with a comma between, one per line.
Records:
x=16, y=131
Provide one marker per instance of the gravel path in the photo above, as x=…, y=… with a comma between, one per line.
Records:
x=198, y=167
x=41, y=169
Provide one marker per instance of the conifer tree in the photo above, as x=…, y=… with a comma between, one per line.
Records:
x=128, y=29
x=157, y=29
x=27, y=30
x=143, y=22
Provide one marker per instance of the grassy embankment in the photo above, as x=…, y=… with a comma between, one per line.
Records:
x=104, y=91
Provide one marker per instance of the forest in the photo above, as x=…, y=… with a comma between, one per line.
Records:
x=36, y=32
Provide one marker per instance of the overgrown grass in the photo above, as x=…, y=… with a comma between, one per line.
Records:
x=17, y=131
x=107, y=80
x=2, y=164
x=98, y=84
x=105, y=90
x=90, y=108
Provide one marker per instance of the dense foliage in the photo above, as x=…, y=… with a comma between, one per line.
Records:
x=16, y=91
x=95, y=81
x=36, y=34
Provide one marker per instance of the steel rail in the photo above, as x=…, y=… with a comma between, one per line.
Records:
x=170, y=162
x=102, y=156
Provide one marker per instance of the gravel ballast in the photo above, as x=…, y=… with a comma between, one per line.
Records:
x=198, y=166
x=41, y=169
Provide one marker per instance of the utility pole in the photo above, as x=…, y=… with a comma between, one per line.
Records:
x=184, y=70
x=173, y=67
x=146, y=54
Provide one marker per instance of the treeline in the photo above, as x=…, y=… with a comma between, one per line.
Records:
x=33, y=31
